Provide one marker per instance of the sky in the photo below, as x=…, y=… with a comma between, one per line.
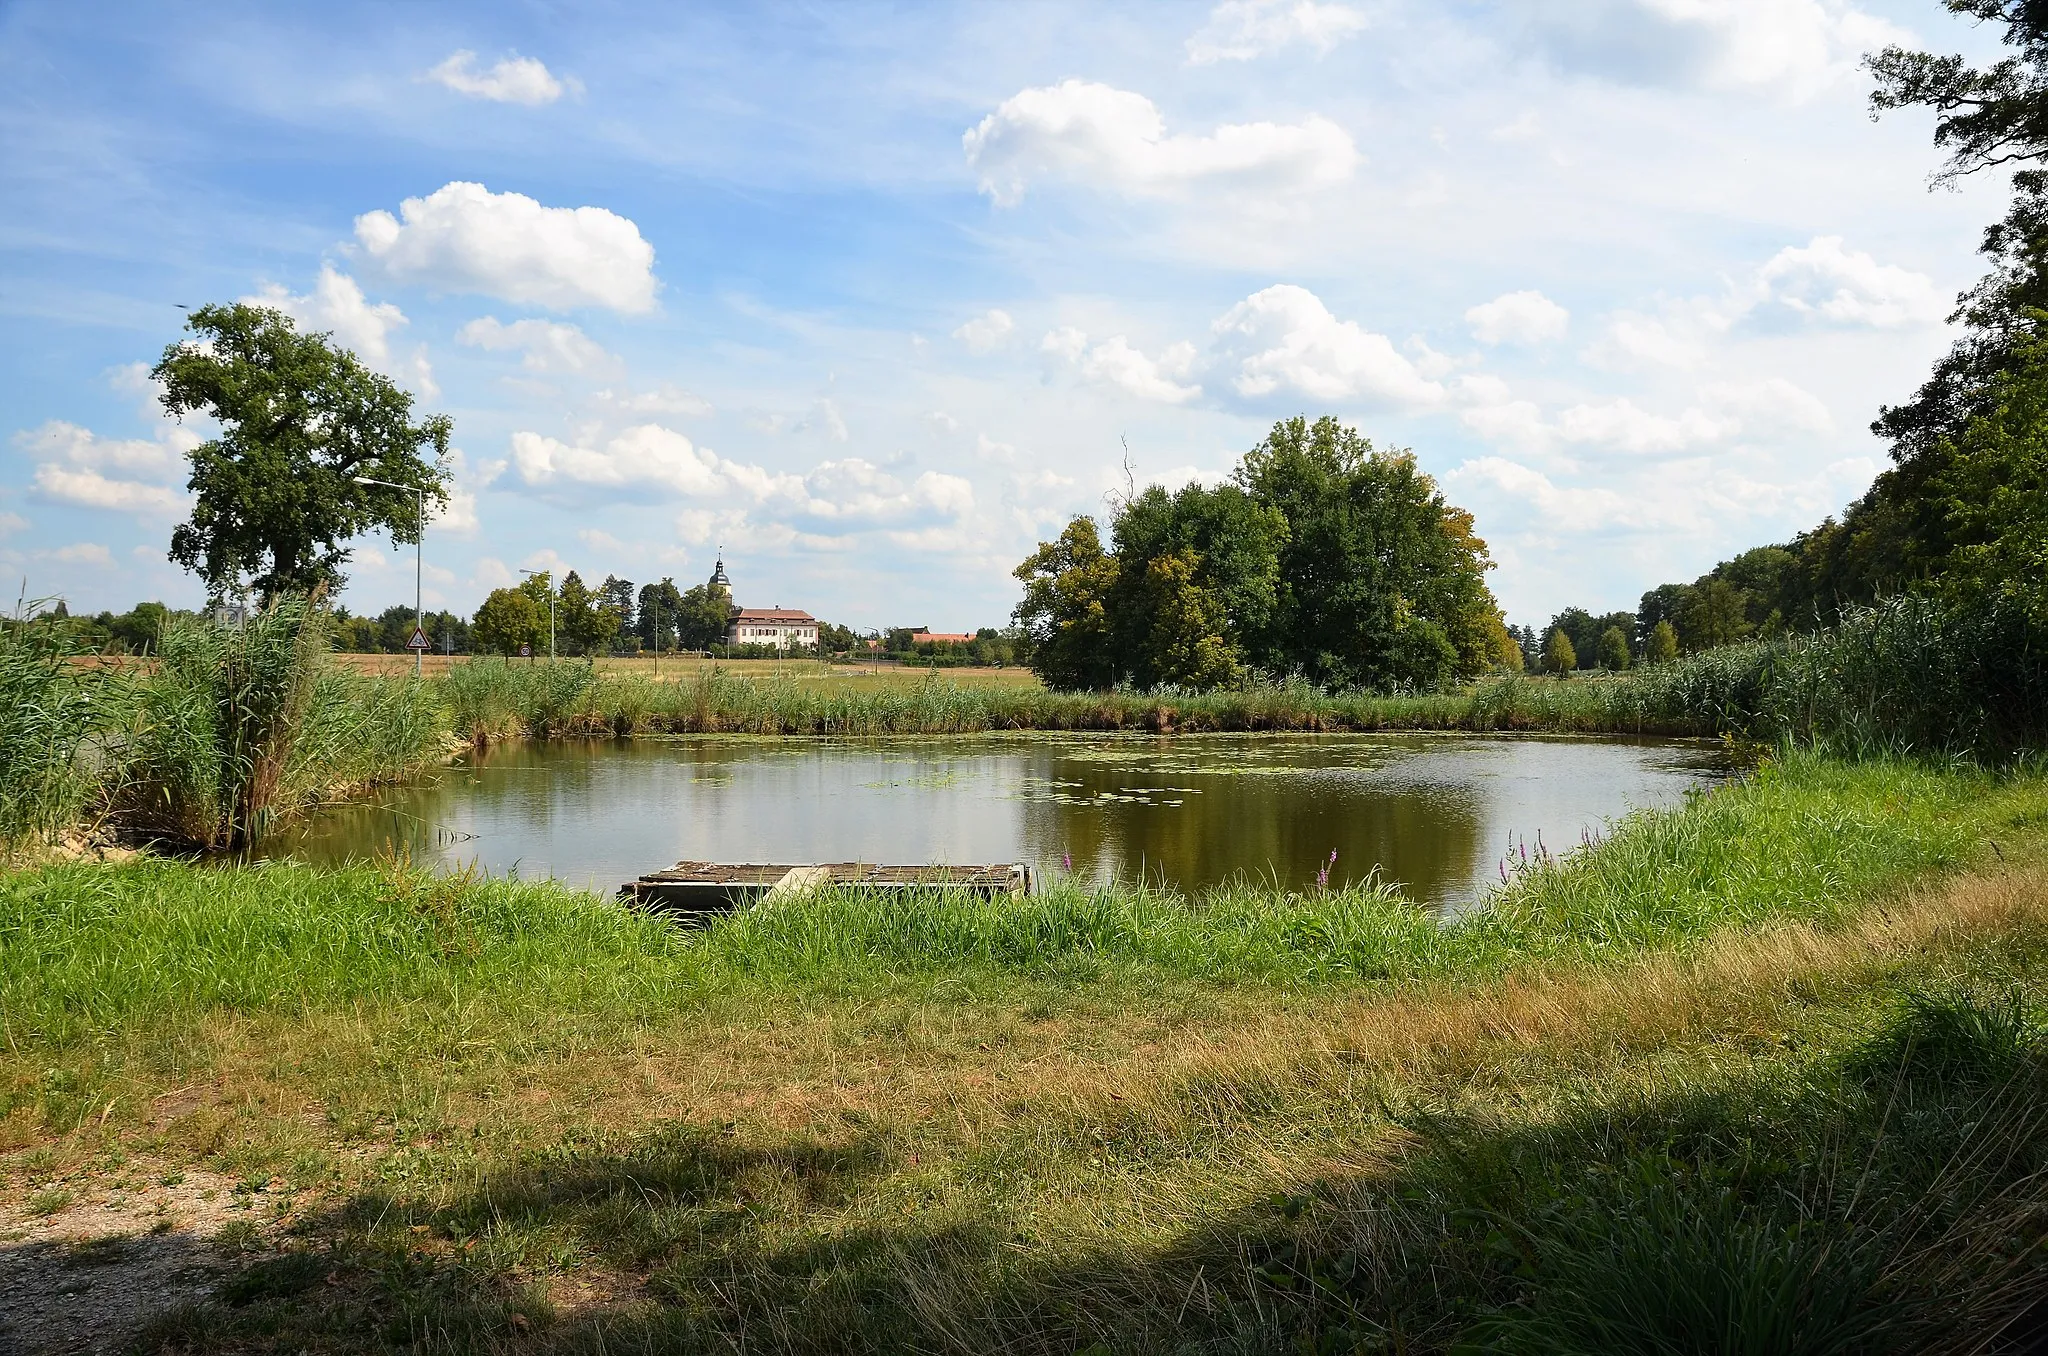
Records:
x=875, y=298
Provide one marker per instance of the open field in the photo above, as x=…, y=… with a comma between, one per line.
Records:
x=680, y=667
x=1770, y=1066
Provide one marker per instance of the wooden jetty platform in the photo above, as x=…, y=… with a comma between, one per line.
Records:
x=708, y=887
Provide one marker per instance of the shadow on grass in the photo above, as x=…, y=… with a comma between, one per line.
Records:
x=1896, y=1199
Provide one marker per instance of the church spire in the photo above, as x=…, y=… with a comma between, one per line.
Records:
x=718, y=579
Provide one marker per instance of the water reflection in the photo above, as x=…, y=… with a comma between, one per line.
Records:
x=1434, y=813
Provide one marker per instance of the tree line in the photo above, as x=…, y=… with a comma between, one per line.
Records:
x=1320, y=555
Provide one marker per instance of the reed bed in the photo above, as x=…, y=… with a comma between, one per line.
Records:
x=1908, y=676
x=488, y=700
x=221, y=733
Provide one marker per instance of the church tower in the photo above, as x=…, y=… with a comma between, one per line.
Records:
x=718, y=579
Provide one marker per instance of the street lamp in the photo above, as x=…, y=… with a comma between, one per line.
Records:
x=551, y=612
x=419, y=560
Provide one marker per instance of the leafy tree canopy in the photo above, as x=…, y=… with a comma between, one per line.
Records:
x=508, y=619
x=1613, y=649
x=299, y=419
x=1558, y=655
x=703, y=614
x=1662, y=646
x=660, y=605
x=1066, y=608
x=1321, y=556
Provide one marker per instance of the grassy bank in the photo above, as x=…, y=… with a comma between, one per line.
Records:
x=229, y=730
x=1909, y=676
x=1764, y=1059
x=494, y=701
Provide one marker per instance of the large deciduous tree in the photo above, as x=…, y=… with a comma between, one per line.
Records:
x=299, y=420
x=588, y=621
x=702, y=616
x=1322, y=556
x=1558, y=655
x=660, y=605
x=508, y=619
x=1372, y=549
x=1198, y=572
x=1067, y=586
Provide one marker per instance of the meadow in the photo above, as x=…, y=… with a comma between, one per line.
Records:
x=1759, y=1073
x=1767, y=1071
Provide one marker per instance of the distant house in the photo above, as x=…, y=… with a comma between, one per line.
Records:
x=786, y=628
x=920, y=636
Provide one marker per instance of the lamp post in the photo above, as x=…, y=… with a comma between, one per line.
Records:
x=551, y=611
x=419, y=561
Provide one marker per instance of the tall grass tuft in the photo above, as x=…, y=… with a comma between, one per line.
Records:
x=50, y=708
x=237, y=725
x=1910, y=675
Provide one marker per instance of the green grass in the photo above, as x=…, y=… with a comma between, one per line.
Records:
x=94, y=950
x=1724, y=1081
x=225, y=731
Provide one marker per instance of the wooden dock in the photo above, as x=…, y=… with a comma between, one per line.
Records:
x=713, y=887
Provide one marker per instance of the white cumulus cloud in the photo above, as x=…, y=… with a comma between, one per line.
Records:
x=1283, y=339
x=1548, y=500
x=1239, y=30
x=1115, y=362
x=513, y=80
x=1115, y=139
x=1822, y=284
x=853, y=491
x=646, y=456
x=337, y=304
x=1518, y=318
x=86, y=553
x=835, y=497
x=985, y=331
x=1768, y=411
x=546, y=345
x=1827, y=283
x=74, y=466
x=464, y=238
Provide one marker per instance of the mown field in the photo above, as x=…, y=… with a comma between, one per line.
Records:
x=1766, y=1072
x=681, y=667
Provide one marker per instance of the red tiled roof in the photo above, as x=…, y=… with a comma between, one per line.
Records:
x=952, y=637
x=773, y=614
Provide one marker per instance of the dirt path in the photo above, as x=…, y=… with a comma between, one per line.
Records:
x=82, y=1276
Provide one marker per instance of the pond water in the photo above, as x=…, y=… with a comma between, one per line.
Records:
x=1435, y=813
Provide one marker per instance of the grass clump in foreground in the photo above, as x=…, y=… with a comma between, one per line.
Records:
x=1725, y=1079
x=222, y=732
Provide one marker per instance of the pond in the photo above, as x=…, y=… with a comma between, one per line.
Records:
x=1434, y=813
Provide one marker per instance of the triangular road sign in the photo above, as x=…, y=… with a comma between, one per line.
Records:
x=419, y=640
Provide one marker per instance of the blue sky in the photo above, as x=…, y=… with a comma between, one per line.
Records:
x=876, y=297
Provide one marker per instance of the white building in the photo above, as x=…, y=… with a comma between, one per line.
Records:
x=786, y=628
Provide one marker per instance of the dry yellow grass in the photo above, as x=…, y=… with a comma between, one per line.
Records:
x=1098, y=1132
x=676, y=668
x=951, y=1072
